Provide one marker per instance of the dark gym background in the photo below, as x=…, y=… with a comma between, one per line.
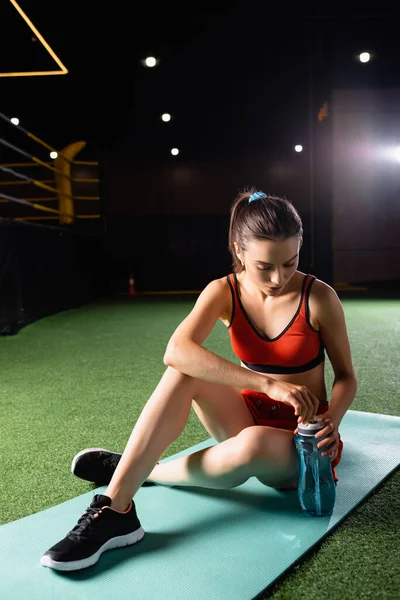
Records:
x=244, y=82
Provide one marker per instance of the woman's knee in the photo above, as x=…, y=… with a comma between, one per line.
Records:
x=269, y=455
x=178, y=377
x=259, y=444
x=251, y=444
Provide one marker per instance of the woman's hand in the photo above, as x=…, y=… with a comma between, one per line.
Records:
x=330, y=445
x=300, y=397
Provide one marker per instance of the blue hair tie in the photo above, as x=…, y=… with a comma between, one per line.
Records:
x=257, y=196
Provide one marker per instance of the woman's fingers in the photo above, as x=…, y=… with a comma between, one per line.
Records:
x=315, y=404
x=301, y=404
x=309, y=404
x=331, y=450
x=323, y=432
x=326, y=442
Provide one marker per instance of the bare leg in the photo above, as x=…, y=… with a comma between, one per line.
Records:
x=160, y=423
x=219, y=467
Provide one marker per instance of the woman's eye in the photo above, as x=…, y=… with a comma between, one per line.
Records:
x=268, y=268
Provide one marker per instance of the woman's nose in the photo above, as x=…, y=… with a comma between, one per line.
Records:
x=277, y=278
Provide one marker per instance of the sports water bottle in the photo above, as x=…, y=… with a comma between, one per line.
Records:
x=316, y=489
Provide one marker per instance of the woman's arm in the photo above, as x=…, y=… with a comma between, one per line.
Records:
x=330, y=317
x=185, y=353
x=343, y=391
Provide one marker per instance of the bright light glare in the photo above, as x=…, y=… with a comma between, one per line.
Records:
x=298, y=148
x=387, y=153
x=53, y=155
x=365, y=57
x=174, y=151
x=150, y=61
x=14, y=121
x=166, y=117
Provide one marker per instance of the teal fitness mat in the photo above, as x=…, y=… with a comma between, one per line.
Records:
x=200, y=544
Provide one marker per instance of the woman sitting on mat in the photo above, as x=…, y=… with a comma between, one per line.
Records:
x=280, y=321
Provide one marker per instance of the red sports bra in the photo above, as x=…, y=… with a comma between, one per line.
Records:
x=297, y=349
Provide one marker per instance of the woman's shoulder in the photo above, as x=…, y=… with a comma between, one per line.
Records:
x=318, y=286
x=320, y=289
x=221, y=288
x=321, y=295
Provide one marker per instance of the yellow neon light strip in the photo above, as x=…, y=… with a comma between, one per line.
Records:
x=53, y=55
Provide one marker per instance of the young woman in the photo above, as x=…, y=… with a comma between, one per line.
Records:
x=280, y=322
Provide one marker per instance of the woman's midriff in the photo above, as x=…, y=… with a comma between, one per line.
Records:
x=314, y=380
x=273, y=413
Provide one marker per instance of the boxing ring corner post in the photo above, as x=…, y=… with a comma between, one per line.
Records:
x=63, y=181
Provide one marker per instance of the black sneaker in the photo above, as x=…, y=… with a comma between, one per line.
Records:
x=97, y=465
x=100, y=528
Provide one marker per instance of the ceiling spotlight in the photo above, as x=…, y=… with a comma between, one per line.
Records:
x=14, y=121
x=166, y=117
x=150, y=61
x=364, y=57
x=53, y=155
x=298, y=148
x=174, y=151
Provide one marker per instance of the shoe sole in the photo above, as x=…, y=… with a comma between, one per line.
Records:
x=76, y=457
x=117, y=542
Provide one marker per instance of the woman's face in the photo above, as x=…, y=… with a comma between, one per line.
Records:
x=271, y=264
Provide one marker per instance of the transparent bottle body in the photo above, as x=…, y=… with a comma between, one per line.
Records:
x=316, y=489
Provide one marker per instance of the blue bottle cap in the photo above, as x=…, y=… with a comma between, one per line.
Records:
x=310, y=428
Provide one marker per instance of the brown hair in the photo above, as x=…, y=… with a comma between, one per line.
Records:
x=270, y=218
